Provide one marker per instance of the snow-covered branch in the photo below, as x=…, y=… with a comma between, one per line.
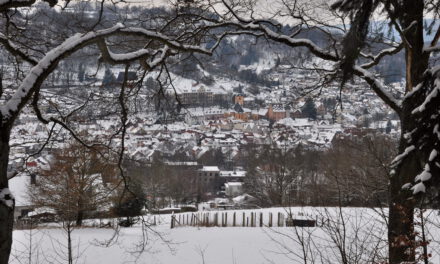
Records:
x=431, y=49
x=377, y=58
x=45, y=66
x=434, y=93
x=262, y=26
x=114, y=58
x=378, y=88
x=433, y=46
x=402, y=156
x=293, y=42
x=174, y=44
x=260, y=29
x=13, y=49
x=158, y=59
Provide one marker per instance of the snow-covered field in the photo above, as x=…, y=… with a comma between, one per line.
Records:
x=363, y=239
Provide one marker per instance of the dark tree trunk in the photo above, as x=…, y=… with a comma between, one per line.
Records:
x=69, y=243
x=6, y=212
x=79, y=217
x=401, y=212
x=401, y=202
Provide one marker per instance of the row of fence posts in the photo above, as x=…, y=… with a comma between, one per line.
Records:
x=220, y=219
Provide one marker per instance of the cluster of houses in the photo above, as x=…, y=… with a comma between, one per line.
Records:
x=213, y=117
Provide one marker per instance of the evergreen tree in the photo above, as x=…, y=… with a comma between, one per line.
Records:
x=108, y=78
x=81, y=73
x=388, y=127
x=130, y=204
x=309, y=109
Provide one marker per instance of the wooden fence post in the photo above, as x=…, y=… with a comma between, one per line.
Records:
x=282, y=220
x=233, y=220
x=207, y=219
x=255, y=219
x=270, y=219
x=226, y=219
x=172, y=221
x=261, y=219
x=244, y=222
x=278, y=219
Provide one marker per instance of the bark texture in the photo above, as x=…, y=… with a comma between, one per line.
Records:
x=402, y=202
x=6, y=212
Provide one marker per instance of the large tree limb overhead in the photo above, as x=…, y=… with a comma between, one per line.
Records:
x=375, y=60
x=259, y=29
x=47, y=64
x=378, y=88
x=261, y=25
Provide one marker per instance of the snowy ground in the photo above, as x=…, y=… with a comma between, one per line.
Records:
x=364, y=236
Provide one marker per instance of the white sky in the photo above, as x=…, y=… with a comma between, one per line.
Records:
x=263, y=8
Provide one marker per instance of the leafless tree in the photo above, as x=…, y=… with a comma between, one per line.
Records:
x=73, y=185
x=274, y=174
x=356, y=169
x=342, y=235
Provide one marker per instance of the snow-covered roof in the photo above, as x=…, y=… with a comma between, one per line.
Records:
x=232, y=173
x=210, y=168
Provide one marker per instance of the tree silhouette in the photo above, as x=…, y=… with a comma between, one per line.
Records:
x=309, y=109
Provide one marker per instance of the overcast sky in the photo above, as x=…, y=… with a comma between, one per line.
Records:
x=264, y=8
